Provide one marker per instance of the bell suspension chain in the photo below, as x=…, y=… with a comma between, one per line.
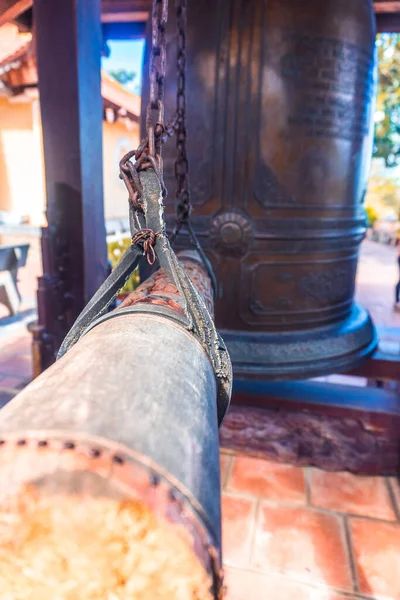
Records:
x=183, y=205
x=183, y=198
x=149, y=152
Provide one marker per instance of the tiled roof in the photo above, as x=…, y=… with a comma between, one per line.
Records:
x=116, y=94
x=14, y=46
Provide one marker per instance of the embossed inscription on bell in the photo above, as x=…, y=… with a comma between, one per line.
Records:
x=280, y=99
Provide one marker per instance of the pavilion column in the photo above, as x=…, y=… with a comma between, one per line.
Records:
x=68, y=46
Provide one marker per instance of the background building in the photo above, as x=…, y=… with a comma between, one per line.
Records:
x=22, y=187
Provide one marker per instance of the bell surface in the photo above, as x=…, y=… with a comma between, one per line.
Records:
x=280, y=97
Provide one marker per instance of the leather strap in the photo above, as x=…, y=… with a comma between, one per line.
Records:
x=102, y=299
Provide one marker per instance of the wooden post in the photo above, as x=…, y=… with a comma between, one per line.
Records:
x=68, y=44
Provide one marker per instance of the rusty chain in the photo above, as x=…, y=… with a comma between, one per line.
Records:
x=146, y=238
x=183, y=200
x=149, y=152
x=181, y=165
x=157, y=69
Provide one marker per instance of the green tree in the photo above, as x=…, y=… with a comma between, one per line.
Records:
x=387, y=131
x=123, y=77
x=383, y=196
x=372, y=215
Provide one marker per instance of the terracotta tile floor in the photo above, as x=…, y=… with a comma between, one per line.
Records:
x=304, y=534
x=288, y=533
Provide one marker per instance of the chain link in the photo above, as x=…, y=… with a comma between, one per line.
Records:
x=148, y=154
x=150, y=149
x=183, y=206
x=157, y=69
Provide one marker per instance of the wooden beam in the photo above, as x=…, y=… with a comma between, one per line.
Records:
x=125, y=17
x=125, y=12
x=120, y=11
x=74, y=244
x=382, y=6
x=116, y=7
x=334, y=427
x=381, y=366
x=320, y=397
x=11, y=9
x=388, y=23
x=124, y=31
x=128, y=10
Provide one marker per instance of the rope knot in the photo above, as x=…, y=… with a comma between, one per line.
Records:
x=146, y=239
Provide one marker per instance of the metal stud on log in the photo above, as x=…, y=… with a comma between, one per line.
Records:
x=129, y=414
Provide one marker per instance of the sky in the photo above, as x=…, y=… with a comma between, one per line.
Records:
x=126, y=55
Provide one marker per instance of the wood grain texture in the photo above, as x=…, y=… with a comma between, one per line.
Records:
x=324, y=441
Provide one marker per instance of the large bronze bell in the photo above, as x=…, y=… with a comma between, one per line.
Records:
x=280, y=99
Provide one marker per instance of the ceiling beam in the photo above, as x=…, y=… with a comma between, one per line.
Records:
x=388, y=23
x=384, y=6
x=11, y=9
x=124, y=31
x=119, y=9
x=114, y=11
x=125, y=17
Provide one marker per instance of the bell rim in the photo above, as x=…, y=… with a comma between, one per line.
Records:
x=290, y=356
